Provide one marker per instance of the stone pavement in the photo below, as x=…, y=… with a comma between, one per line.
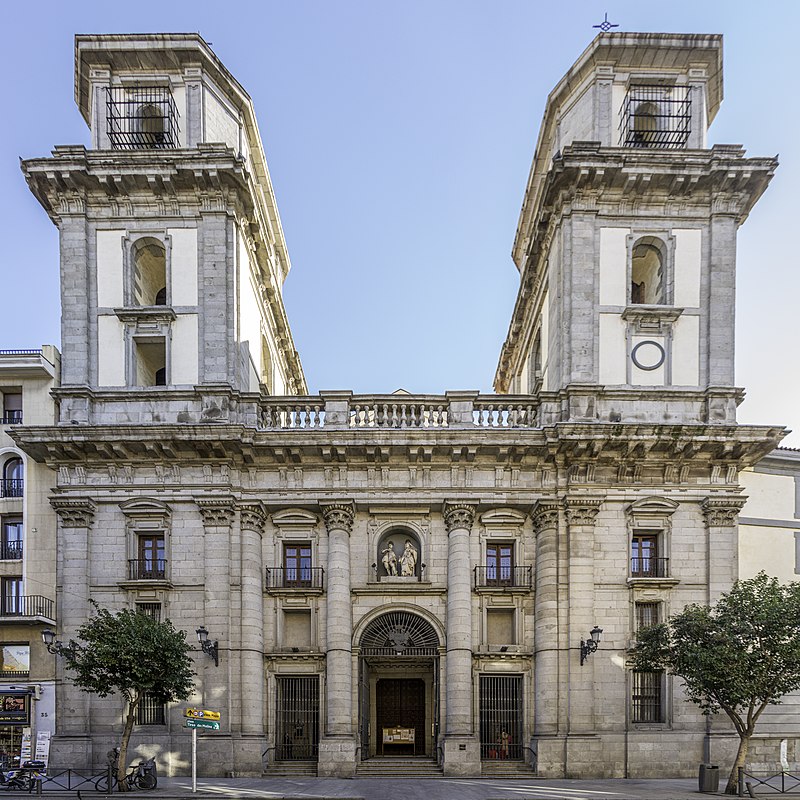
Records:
x=415, y=789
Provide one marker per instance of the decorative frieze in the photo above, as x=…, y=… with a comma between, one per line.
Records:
x=75, y=512
x=338, y=516
x=217, y=512
x=458, y=515
x=722, y=512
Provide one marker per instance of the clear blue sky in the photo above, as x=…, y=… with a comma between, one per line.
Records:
x=399, y=138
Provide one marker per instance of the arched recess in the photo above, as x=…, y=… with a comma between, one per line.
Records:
x=648, y=262
x=149, y=285
x=394, y=558
x=399, y=632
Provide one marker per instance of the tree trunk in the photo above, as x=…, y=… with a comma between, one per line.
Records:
x=122, y=764
x=741, y=755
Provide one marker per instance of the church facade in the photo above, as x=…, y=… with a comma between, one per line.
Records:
x=399, y=576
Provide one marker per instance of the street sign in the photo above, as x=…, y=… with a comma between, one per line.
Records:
x=210, y=724
x=201, y=713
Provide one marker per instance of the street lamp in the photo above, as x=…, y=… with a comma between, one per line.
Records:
x=52, y=644
x=590, y=645
x=210, y=648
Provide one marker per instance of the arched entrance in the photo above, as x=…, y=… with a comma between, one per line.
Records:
x=399, y=686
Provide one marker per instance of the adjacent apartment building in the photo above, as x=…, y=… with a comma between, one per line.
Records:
x=399, y=576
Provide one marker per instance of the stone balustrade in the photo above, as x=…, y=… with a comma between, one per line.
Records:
x=343, y=410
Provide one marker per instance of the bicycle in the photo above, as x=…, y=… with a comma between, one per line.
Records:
x=140, y=777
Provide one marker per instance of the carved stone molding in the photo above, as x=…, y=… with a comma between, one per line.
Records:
x=458, y=515
x=217, y=512
x=581, y=510
x=722, y=512
x=545, y=515
x=74, y=513
x=253, y=518
x=338, y=516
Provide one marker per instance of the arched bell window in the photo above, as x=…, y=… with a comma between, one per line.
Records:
x=647, y=272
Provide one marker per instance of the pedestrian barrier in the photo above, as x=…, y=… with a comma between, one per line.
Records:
x=781, y=782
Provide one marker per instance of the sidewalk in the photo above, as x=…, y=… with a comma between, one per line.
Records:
x=414, y=789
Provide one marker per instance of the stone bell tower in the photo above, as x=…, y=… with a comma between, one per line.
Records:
x=626, y=243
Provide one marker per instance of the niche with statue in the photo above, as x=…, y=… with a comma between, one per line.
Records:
x=398, y=556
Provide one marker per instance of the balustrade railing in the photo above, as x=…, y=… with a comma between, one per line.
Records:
x=647, y=567
x=295, y=577
x=503, y=577
x=342, y=411
x=10, y=551
x=12, y=487
x=11, y=418
x=147, y=569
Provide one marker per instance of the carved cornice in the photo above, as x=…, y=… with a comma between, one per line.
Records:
x=722, y=512
x=77, y=512
x=217, y=512
x=338, y=516
x=458, y=515
x=545, y=515
x=581, y=510
x=253, y=518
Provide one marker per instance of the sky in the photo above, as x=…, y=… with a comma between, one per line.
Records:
x=399, y=138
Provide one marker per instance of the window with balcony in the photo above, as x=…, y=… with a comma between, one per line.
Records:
x=15, y=661
x=10, y=538
x=151, y=564
x=141, y=118
x=12, y=408
x=647, y=697
x=656, y=117
x=297, y=564
x=499, y=563
x=13, y=481
x=646, y=560
x=11, y=599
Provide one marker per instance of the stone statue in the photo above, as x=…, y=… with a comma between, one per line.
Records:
x=408, y=561
x=389, y=559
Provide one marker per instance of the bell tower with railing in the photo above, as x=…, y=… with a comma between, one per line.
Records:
x=626, y=243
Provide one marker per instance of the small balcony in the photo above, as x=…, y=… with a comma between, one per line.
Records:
x=11, y=418
x=308, y=579
x=12, y=487
x=147, y=569
x=649, y=567
x=27, y=607
x=503, y=578
x=10, y=551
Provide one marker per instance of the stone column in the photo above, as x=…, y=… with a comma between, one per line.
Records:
x=722, y=526
x=247, y=753
x=214, y=682
x=337, y=751
x=580, y=514
x=545, y=518
x=461, y=747
x=71, y=745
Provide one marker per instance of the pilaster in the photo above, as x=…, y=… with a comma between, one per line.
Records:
x=722, y=526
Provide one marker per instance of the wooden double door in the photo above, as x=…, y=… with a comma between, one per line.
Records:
x=400, y=703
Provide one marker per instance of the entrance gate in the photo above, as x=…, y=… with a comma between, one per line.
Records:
x=297, y=722
x=501, y=713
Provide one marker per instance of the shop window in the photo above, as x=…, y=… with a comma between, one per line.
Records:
x=500, y=628
x=10, y=538
x=15, y=660
x=647, y=697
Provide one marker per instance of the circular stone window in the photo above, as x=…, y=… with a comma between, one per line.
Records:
x=648, y=355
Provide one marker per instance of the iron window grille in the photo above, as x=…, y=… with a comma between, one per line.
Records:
x=141, y=119
x=501, y=714
x=150, y=711
x=152, y=610
x=647, y=614
x=656, y=116
x=647, y=697
x=297, y=718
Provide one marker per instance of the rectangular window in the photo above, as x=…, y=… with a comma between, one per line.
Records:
x=11, y=596
x=15, y=660
x=647, y=697
x=11, y=538
x=150, y=362
x=151, y=711
x=647, y=614
x=151, y=609
x=151, y=564
x=500, y=563
x=12, y=408
x=645, y=560
x=297, y=564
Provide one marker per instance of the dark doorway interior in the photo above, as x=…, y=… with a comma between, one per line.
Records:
x=400, y=703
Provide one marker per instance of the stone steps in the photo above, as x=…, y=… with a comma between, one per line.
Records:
x=506, y=769
x=418, y=767
x=292, y=769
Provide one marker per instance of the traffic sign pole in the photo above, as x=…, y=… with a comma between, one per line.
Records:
x=194, y=760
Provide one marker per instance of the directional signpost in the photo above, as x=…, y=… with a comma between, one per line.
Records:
x=199, y=718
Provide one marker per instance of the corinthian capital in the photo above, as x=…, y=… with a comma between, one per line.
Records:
x=76, y=512
x=217, y=512
x=581, y=510
x=722, y=512
x=338, y=516
x=252, y=517
x=545, y=515
x=458, y=515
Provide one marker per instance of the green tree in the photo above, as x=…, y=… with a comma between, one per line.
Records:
x=132, y=654
x=738, y=656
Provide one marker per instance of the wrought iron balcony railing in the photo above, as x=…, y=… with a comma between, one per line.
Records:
x=11, y=418
x=295, y=578
x=12, y=487
x=147, y=569
x=647, y=567
x=10, y=551
x=26, y=605
x=503, y=577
